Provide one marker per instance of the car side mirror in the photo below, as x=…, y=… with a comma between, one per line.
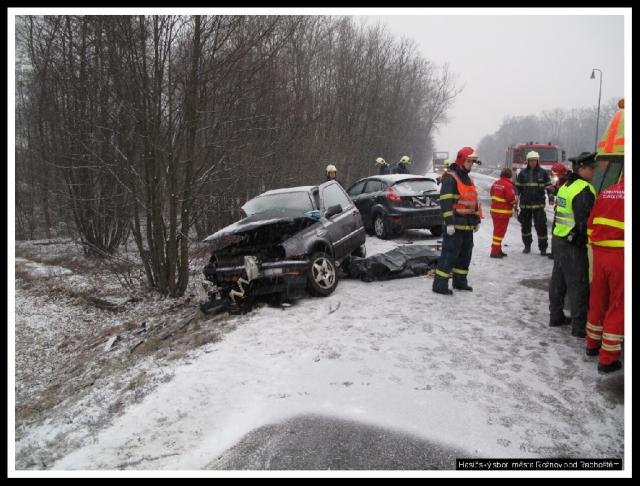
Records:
x=332, y=211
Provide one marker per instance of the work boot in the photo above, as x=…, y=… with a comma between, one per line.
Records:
x=441, y=286
x=559, y=321
x=578, y=332
x=543, y=252
x=442, y=291
x=462, y=286
x=615, y=366
x=550, y=256
x=503, y=253
x=527, y=249
x=592, y=351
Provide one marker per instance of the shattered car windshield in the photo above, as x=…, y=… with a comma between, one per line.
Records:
x=416, y=186
x=287, y=201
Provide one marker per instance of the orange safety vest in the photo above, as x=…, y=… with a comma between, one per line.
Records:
x=605, y=226
x=468, y=201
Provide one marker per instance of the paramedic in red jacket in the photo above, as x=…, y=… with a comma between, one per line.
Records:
x=605, y=320
x=502, y=200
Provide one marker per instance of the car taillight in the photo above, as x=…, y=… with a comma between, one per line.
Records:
x=392, y=196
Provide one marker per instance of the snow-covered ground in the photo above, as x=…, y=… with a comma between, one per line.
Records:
x=480, y=372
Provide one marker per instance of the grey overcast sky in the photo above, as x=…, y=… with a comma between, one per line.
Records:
x=516, y=65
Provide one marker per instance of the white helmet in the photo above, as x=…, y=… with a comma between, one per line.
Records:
x=380, y=161
x=405, y=159
x=533, y=155
x=331, y=168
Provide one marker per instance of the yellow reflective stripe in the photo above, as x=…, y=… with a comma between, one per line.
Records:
x=594, y=327
x=443, y=274
x=531, y=206
x=446, y=214
x=609, y=222
x=449, y=196
x=609, y=243
x=542, y=237
x=499, y=199
x=497, y=238
x=532, y=184
x=463, y=227
x=613, y=337
x=459, y=271
x=594, y=336
x=609, y=347
x=526, y=234
x=502, y=211
x=589, y=231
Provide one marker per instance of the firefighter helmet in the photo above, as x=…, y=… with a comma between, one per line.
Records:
x=533, y=155
x=380, y=161
x=558, y=168
x=405, y=159
x=447, y=162
x=331, y=168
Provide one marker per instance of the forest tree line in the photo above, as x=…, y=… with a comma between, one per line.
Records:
x=157, y=128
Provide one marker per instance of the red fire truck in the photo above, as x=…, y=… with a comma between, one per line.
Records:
x=549, y=154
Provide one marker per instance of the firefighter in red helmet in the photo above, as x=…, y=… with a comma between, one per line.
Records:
x=461, y=212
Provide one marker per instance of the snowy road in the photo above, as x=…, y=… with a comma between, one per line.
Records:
x=478, y=372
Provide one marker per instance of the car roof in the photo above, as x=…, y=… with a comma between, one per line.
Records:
x=393, y=178
x=288, y=190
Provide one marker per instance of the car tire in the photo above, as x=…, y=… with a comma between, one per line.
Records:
x=381, y=227
x=436, y=230
x=322, y=277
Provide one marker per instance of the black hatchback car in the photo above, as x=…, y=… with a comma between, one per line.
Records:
x=390, y=204
x=290, y=238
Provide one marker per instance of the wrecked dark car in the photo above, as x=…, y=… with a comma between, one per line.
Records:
x=290, y=239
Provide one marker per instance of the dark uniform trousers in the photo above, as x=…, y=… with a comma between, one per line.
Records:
x=539, y=217
x=454, y=258
x=570, y=277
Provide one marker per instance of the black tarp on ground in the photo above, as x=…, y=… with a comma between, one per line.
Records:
x=400, y=262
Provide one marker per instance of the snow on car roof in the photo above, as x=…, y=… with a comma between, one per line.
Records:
x=287, y=189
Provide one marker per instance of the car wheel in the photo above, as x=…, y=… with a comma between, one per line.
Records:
x=436, y=230
x=322, y=278
x=380, y=227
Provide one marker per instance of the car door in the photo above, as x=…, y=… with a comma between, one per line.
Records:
x=356, y=194
x=343, y=229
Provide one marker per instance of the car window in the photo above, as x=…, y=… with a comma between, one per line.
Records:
x=356, y=189
x=332, y=195
x=374, y=186
x=415, y=186
x=286, y=201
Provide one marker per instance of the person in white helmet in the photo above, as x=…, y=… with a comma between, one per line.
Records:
x=332, y=173
x=531, y=184
x=402, y=167
x=383, y=166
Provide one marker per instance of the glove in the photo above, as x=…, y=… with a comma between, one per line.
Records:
x=450, y=229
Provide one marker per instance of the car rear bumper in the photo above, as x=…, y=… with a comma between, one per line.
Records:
x=416, y=218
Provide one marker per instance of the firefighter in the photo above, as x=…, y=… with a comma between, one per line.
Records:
x=570, y=274
x=402, y=168
x=461, y=212
x=503, y=199
x=532, y=183
x=332, y=173
x=560, y=173
x=605, y=320
x=384, y=166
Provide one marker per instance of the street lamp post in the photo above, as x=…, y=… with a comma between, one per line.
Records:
x=593, y=76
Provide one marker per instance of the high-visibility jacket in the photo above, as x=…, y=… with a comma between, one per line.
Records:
x=565, y=218
x=502, y=198
x=459, y=200
x=606, y=221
